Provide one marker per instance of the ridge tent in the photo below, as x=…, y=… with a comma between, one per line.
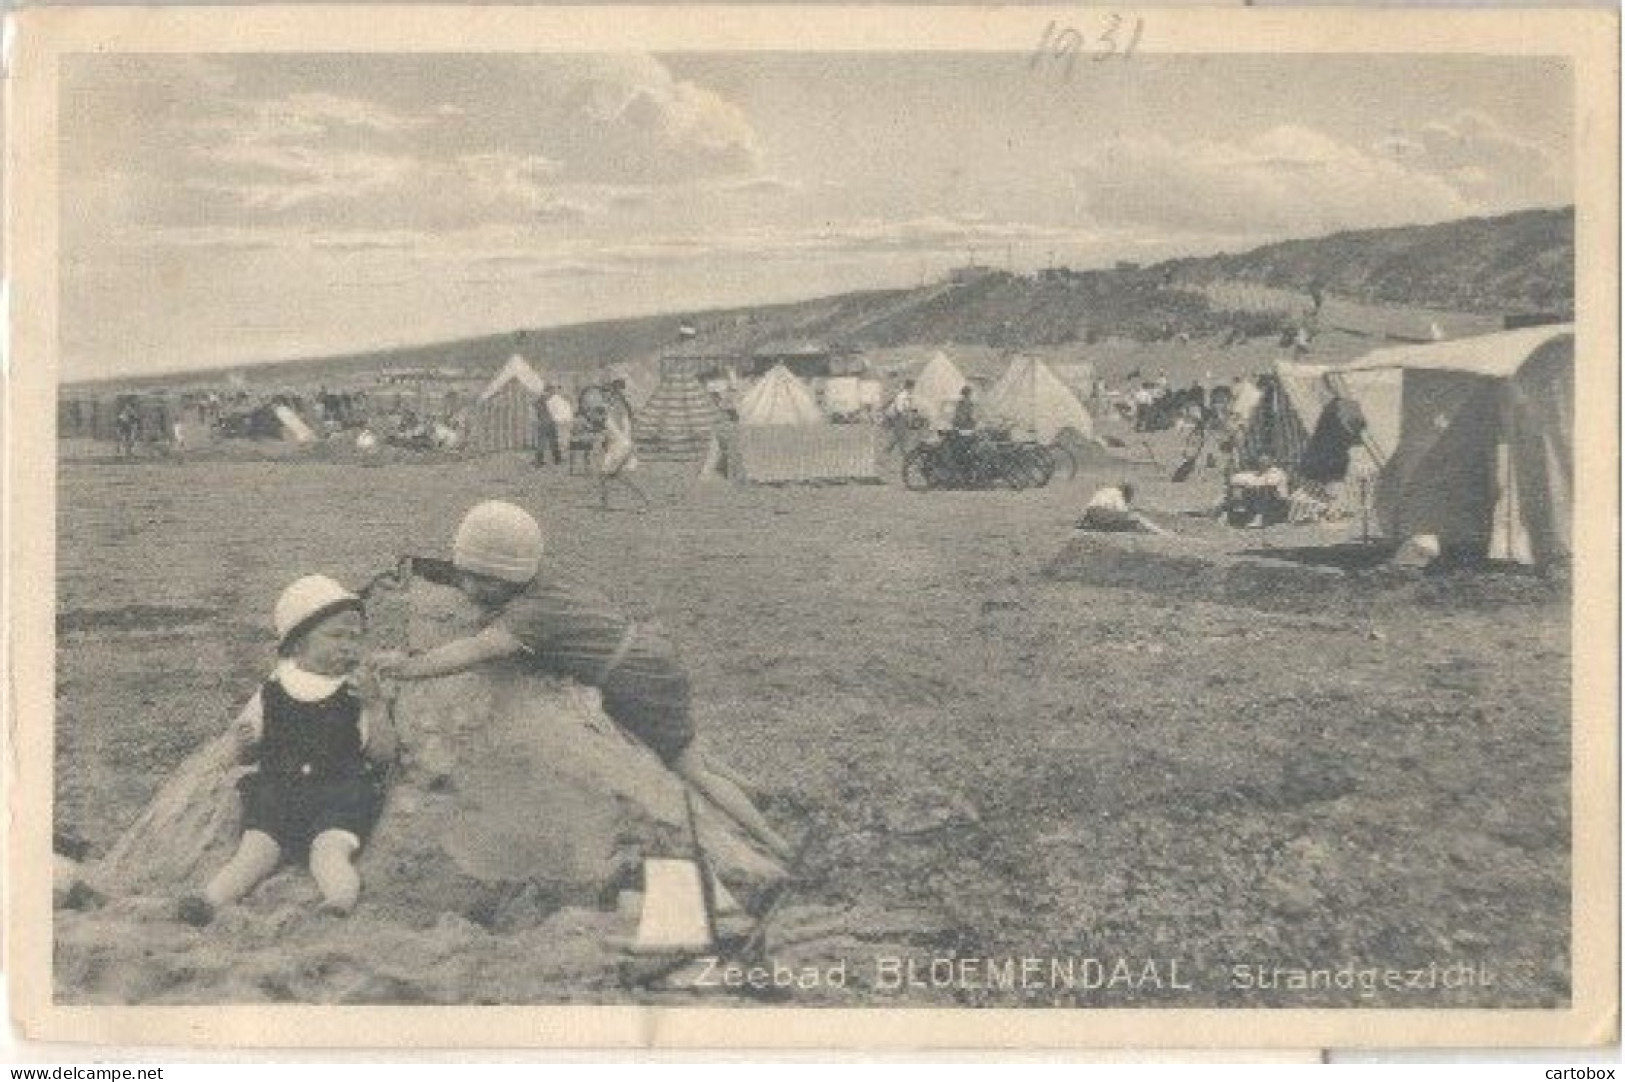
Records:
x=1309, y=388
x=518, y=369
x=784, y=438
x=1031, y=397
x=937, y=388
x=678, y=420
x=504, y=417
x=779, y=398
x=1485, y=455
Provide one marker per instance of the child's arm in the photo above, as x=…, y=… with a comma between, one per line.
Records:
x=378, y=723
x=246, y=728
x=379, y=741
x=457, y=656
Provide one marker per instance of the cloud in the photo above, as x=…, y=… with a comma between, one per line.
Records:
x=558, y=140
x=308, y=149
x=520, y=180
x=1497, y=167
x=1287, y=180
x=628, y=120
x=765, y=185
x=283, y=238
x=163, y=143
x=317, y=113
x=281, y=177
x=1295, y=180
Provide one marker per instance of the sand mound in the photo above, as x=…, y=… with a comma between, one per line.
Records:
x=517, y=813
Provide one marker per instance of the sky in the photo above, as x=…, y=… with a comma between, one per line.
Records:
x=229, y=209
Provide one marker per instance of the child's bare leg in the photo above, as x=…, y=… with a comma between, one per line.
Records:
x=692, y=766
x=727, y=773
x=331, y=864
x=256, y=857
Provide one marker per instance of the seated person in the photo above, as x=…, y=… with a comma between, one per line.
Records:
x=1260, y=495
x=1108, y=511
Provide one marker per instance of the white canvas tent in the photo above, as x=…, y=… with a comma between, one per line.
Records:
x=779, y=398
x=937, y=388
x=783, y=437
x=516, y=370
x=1030, y=397
x=503, y=419
x=1310, y=388
x=1484, y=458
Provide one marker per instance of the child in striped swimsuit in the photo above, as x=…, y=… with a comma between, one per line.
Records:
x=569, y=629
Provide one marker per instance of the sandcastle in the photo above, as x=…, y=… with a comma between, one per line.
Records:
x=518, y=809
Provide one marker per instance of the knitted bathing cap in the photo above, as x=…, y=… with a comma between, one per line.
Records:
x=499, y=540
x=306, y=603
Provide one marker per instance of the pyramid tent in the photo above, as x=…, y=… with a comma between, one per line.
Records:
x=1030, y=397
x=1485, y=454
x=504, y=417
x=936, y=389
x=679, y=418
x=779, y=398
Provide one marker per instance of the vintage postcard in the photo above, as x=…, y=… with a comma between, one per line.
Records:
x=813, y=527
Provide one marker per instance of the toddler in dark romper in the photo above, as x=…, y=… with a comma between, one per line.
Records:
x=315, y=734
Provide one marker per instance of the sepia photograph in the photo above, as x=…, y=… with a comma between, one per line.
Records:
x=1093, y=517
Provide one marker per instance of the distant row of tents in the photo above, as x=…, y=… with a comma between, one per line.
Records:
x=680, y=416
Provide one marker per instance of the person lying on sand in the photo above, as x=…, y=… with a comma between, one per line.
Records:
x=1108, y=511
x=317, y=733
x=565, y=628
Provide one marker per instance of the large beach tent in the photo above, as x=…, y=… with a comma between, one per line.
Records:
x=779, y=398
x=1306, y=390
x=1031, y=397
x=783, y=437
x=678, y=420
x=937, y=388
x=1485, y=455
x=504, y=417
